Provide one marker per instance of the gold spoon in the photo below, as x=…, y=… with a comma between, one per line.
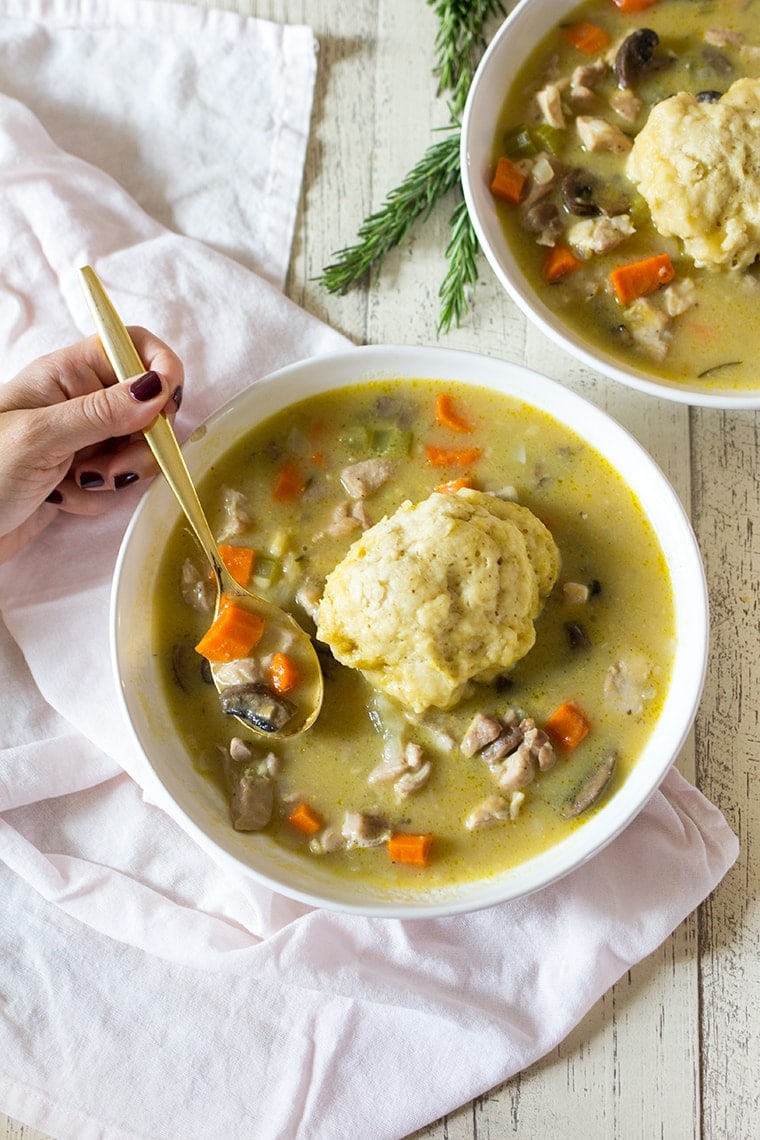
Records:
x=252, y=703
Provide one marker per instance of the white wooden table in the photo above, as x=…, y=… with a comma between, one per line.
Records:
x=673, y=1050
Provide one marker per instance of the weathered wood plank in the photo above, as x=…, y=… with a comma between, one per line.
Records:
x=637, y=1066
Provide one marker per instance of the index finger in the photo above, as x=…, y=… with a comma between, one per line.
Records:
x=84, y=367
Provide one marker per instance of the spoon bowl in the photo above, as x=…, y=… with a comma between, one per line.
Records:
x=269, y=630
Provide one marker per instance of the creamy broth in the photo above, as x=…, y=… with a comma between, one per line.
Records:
x=715, y=342
x=605, y=543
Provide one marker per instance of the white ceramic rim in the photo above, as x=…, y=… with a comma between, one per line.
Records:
x=189, y=795
x=518, y=35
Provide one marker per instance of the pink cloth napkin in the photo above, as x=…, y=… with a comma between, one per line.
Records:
x=146, y=991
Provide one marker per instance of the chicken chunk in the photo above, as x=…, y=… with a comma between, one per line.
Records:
x=550, y=105
x=362, y=830
x=197, y=587
x=364, y=478
x=408, y=770
x=495, y=809
x=626, y=104
x=599, y=235
x=482, y=731
x=627, y=684
x=598, y=134
x=237, y=514
x=583, y=81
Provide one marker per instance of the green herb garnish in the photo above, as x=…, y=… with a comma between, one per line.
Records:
x=459, y=43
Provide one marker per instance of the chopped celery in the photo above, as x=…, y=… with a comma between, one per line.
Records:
x=518, y=143
x=523, y=142
x=639, y=211
x=266, y=570
x=391, y=441
x=546, y=137
x=356, y=439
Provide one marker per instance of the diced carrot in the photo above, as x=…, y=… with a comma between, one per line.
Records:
x=631, y=7
x=239, y=561
x=289, y=483
x=305, y=819
x=567, y=725
x=508, y=180
x=559, y=261
x=232, y=635
x=448, y=416
x=411, y=849
x=452, y=456
x=454, y=485
x=638, y=278
x=585, y=37
x=283, y=673
x=318, y=458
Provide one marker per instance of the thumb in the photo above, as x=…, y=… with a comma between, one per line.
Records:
x=118, y=410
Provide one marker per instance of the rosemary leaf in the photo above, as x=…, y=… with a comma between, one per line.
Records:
x=462, y=274
x=459, y=43
x=428, y=181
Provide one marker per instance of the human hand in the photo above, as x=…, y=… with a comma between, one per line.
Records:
x=69, y=432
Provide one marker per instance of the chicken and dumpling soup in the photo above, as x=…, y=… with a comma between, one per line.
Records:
x=493, y=614
x=627, y=183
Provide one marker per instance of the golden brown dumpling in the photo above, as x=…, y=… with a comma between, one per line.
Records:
x=441, y=593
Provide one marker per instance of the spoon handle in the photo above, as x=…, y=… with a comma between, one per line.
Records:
x=126, y=363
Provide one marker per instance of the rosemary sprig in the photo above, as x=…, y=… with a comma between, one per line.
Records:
x=459, y=43
x=462, y=274
x=432, y=177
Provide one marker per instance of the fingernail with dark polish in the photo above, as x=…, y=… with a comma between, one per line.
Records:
x=125, y=480
x=54, y=497
x=177, y=396
x=145, y=387
x=89, y=479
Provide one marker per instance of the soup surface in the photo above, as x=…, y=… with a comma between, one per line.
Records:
x=369, y=768
x=578, y=210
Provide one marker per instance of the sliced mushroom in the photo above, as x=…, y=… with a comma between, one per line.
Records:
x=577, y=635
x=578, y=193
x=592, y=789
x=715, y=59
x=541, y=217
x=186, y=664
x=251, y=802
x=256, y=704
x=251, y=791
x=635, y=56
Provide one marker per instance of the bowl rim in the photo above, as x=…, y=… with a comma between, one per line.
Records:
x=355, y=365
x=474, y=162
